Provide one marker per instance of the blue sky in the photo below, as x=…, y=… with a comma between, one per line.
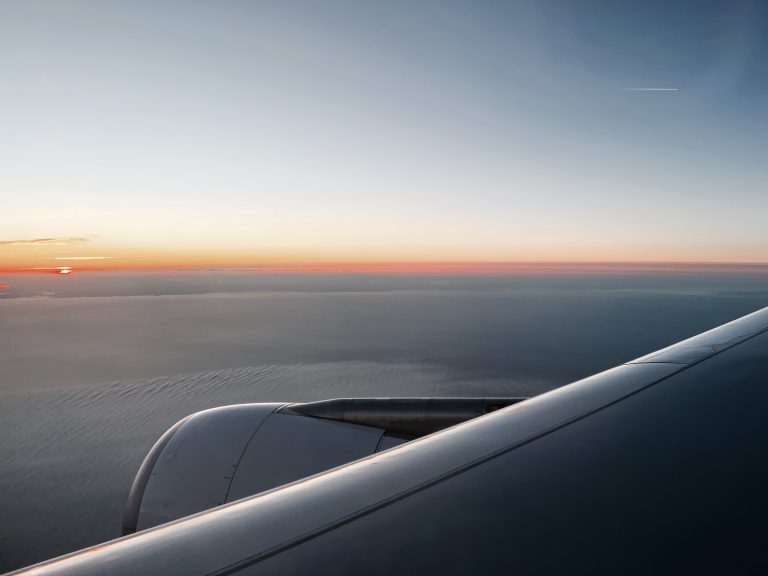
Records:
x=369, y=131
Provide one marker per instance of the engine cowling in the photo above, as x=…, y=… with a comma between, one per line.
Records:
x=228, y=453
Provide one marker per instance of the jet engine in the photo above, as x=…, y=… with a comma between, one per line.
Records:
x=225, y=454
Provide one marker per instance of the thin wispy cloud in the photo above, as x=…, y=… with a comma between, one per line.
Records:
x=65, y=241
x=86, y=257
x=651, y=89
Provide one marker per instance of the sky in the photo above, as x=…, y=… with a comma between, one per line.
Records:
x=156, y=134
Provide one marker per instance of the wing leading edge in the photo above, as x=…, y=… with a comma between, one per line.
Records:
x=656, y=465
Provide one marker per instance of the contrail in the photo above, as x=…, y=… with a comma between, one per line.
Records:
x=651, y=89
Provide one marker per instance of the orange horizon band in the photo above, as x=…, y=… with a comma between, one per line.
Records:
x=471, y=268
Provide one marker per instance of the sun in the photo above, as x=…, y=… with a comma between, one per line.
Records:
x=65, y=270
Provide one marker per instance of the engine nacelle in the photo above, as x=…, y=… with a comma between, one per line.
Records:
x=225, y=454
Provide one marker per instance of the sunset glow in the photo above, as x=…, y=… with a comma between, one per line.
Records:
x=335, y=138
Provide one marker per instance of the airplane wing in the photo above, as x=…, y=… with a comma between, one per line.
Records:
x=657, y=465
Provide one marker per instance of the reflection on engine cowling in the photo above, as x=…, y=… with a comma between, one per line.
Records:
x=228, y=453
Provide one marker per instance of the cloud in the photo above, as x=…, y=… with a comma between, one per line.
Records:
x=651, y=89
x=85, y=257
x=65, y=241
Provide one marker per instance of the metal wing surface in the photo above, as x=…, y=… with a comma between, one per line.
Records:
x=656, y=466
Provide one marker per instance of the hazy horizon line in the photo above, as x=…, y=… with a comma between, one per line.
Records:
x=422, y=268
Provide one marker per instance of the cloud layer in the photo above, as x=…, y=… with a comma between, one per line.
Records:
x=86, y=257
x=63, y=241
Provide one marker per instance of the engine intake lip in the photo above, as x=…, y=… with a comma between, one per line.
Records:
x=136, y=493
